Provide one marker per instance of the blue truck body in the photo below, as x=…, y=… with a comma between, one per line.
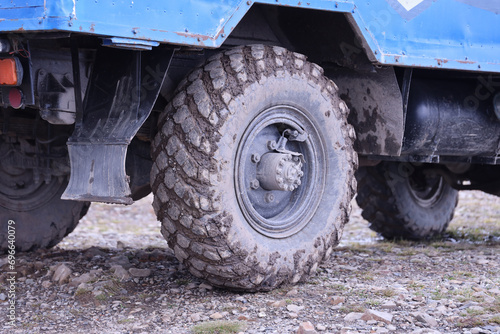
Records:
x=448, y=34
x=247, y=120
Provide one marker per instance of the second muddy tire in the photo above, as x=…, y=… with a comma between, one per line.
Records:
x=402, y=201
x=225, y=116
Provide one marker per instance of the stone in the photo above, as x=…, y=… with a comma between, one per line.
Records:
x=120, y=272
x=3, y=296
x=61, y=274
x=262, y=315
x=46, y=284
x=495, y=291
x=205, y=286
x=294, y=308
x=425, y=318
x=377, y=315
x=85, y=278
x=279, y=303
x=306, y=328
x=335, y=300
x=389, y=305
x=216, y=316
x=195, y=317
x=136, y=272
x=321, y=327
x=292, y=292
x=121, y=260
x=353, y=316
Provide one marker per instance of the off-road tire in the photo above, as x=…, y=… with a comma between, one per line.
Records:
x=393, y=210
x=44, y=222
x=194, y=172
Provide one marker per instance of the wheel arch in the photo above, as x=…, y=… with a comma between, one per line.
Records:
x=334, y=41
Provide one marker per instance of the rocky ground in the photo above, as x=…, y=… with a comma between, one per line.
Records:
x=115, y=274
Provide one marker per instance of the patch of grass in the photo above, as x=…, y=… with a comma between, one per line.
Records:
x=470, y=322
x=495, y=320
x=372, y=302
x=386, y=293
x=219, y=327
x=352, y=308
x=125, y=321
x=416, y=286
x=182, y=281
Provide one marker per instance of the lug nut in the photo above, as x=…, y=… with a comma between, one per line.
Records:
x=254, y=184
x=269, y=197
x=271, y=144
x=255, y=157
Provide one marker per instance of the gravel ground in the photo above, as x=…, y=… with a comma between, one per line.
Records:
x=115, y=274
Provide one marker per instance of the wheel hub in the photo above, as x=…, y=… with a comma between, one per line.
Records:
x=279, y=171
x=277, y=190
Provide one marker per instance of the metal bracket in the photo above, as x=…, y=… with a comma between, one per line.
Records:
x=123, y=87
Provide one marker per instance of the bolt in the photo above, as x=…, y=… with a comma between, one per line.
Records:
x=271, y=144
x=269, y=197
x=255, y=157
x=254, y=184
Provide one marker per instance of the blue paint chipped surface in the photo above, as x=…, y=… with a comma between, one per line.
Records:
x=452, y=34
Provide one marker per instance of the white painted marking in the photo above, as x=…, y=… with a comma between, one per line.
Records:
x=410, y=4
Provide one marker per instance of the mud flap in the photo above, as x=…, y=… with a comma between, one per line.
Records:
x=122, y=90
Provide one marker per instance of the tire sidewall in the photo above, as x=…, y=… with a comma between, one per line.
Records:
x=324, y=228
x=421, y=221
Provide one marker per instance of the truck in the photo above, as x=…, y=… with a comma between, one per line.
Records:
x=253, y=123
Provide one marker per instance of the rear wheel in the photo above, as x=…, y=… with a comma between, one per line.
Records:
x=41, y=218
x=409, y=203
x=253, y=172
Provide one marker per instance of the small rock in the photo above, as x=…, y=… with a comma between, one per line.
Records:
x=205, y=286
x=242, y=318
x=61, y=274
x=482, y=261
x=85, y=278
x=216, y=316
x=306, y=328
x=392, y=328
x=293, y=315
x=425, y=318
x=262, y=315
x=4, y=261
x=321, y=327
x=294, y=308
x=195, y=317
x=136, y=272
x=120, y=245
x=121, y=260
x=93, y=251
x=3, y=296
x=377, y=315
x=495, y=291
x=353, y=316
x=279, y=303
x=292, y=292
x=336, y=300
x=120, y=272
x=389, y=305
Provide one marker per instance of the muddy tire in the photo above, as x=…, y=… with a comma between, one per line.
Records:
x=401, y=201
x=219, y=137
x=41, y=217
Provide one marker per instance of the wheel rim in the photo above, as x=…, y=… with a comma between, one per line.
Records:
x=279, y=213
x=427, y=190
x=18, y=191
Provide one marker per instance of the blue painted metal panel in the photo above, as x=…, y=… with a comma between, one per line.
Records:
x=453, y=34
